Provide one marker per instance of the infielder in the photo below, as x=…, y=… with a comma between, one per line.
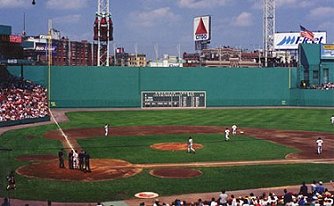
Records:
x=319, y=145
x=234, y=129
x=227, y=133
x=332, y=119
x=106, y=129
x=190, y=145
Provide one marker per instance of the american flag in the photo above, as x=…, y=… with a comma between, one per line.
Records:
x=306, y=33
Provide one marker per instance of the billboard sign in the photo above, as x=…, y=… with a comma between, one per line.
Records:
x=41, y=47
x=327, y=51
x=202, y=28
x=284, y=41
x=15, y=39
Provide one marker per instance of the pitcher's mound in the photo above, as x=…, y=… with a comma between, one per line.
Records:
x=175, y=173
x=174, y=146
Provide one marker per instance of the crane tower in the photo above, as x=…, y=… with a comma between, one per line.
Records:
x=268, y=28
x=103, y=32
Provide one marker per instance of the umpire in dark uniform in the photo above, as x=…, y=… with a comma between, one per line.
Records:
x=61, y=158
x=70, y=159
x=87, y=164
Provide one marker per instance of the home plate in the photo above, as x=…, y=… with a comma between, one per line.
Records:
x=146, y=195
x=241, y=132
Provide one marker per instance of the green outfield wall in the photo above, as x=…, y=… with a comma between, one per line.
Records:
x=122, y=86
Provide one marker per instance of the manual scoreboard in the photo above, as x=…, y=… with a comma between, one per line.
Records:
x=173, y=99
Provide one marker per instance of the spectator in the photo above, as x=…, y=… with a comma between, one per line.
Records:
x=5, y=202
x=320, y=189
x=21, y=99
x=303, y=189
x=213, y=202
x=223, y=198
x=287, y=198
x=313, y=186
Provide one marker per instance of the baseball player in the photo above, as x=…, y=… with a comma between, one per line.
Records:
x=319, y=145
x=332, y=119
x=227, y=133
x=190, y=145
x=106, y=129
x=75, y=159
x=234, y=129
x=11, y=181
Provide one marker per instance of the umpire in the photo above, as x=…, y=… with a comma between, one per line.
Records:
x=61, y=158
x=87, y=164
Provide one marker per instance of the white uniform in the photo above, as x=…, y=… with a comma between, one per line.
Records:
x=332, y=120
x=190, y=145
x=75, y=160
x=227, y=133
x=319, y=145
x=234, y=129
x=106, y=130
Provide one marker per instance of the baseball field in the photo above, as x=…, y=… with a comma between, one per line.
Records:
x=145, y=150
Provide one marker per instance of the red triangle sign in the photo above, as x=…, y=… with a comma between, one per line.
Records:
x=201, y=28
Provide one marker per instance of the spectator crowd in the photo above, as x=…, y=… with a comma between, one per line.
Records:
x=21, y=99
x=325, y=86
x=315, y=195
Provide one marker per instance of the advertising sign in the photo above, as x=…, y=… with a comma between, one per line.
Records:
x=15, y=39
x=284, y=41
x=327, y=51
x=41, y=47
x=202, y=28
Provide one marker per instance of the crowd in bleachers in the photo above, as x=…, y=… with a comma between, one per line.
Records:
x=21, y=99
x=316, y=195
x=325, y=86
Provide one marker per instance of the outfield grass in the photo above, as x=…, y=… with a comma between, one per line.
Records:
x=137, y=149
x=31, y=141
x=287, y=119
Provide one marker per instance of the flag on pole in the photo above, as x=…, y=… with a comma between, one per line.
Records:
x=306, y=33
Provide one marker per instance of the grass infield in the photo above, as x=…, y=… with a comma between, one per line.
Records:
x=31, y=141
x=137, y=149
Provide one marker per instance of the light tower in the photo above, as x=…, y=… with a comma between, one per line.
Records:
x=103, y=32
x=268, y=28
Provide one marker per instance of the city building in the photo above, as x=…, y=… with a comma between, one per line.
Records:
x=167, y=61
x=191, y=59
x=124, y=59
x=10, y=46
x=120, y=58
x=137, y=60
x=64, y=51
x=222, y=57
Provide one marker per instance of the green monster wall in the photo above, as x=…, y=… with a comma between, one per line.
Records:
x=121, y=86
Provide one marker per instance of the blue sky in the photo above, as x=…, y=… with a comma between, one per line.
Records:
x=142, y=24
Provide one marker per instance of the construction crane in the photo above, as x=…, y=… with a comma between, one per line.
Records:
x=103, y=32
x=268, y=28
